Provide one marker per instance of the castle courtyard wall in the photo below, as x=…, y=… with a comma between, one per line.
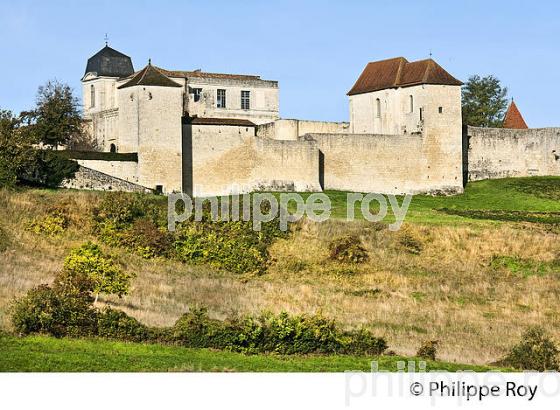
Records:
x=291, y=129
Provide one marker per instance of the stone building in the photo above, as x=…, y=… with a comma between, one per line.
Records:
x=216, y=134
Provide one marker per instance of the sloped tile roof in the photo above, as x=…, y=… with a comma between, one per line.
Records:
x=513, y=118
x=150, y=76
x=399, y=72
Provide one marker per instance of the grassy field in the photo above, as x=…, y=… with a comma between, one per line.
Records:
x=44, y=354
x=472, y=271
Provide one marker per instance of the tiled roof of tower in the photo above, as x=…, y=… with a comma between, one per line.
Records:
x=150, y=76
x=399, y=72
x=513, y=118
x=110, y=63
x=198, y=73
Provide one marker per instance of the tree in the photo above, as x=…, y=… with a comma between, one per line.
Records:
x=56, y=119
x=88, y=265
x=484, y=102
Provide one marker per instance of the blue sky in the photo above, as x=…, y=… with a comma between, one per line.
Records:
x=316, y=50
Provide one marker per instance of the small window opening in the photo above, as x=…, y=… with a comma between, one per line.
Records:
x=421, y=114
x=378, y=108
x=411, y=103
x=221, y=99
x=92, y=95
x=245, y=100
x=196, y=92
x=159, y=189
x=113, y=148
x=440, y=110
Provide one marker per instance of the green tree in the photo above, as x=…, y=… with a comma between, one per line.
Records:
x=484, y=102
x=56, y=119
x=88, y=265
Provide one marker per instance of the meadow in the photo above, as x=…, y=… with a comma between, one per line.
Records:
x=472, y=271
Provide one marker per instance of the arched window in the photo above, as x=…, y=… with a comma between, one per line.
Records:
x=113, y=148
x=92, y=95
x=411, y=103
x=378, y=108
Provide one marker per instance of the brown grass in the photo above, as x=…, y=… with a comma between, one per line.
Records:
x=447, y=292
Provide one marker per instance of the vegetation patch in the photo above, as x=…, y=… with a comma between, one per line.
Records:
x=4, y=240
x=545, y=188
x=536, y=351
x=523, y=267
x=552, y=218
x=348, y=249
x=53, y=224
x=428, y=349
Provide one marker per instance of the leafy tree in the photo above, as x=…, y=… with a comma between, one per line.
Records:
x=483, y=102
x=56, y=119
x=88, y=264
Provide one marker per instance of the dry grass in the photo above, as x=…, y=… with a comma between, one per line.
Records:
x=447, y=292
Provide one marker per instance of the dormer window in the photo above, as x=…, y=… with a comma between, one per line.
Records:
x=92, y=96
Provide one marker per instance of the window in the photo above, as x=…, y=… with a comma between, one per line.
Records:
x=378, y=108
x=440, y=110
x=411, y=103
x=421, y=114
x=221, y=100
x=245, y=100
x=196, y=92
x=113, y=148
x=92, y=96
x=159, y=189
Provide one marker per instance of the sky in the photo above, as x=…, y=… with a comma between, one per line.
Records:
x=315, y=50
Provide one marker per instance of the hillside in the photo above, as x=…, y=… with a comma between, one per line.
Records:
x=472, y=271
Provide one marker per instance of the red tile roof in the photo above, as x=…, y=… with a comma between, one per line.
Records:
x=399, y=72
x=150, y=75
x=513, y=118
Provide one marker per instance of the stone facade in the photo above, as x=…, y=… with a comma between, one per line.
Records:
x=87, y=178
x=500, y=153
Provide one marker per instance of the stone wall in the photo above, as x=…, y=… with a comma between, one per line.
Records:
x=499, y=153
x=371, y=163
x=219, y=160
x=290, y=129
x=87, y=178
x=125, y=170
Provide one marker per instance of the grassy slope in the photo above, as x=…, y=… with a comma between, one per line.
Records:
x=44, y=354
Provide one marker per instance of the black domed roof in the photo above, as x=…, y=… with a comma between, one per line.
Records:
x=109, y=62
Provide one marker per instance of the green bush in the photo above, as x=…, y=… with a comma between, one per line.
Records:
x=115, y=324
x=348, y=249
x=147, y=239
x=53, y=224
x=536, y=351
x=47, y=169
x=410, y=241
x=105, y=275
x=52, y=311
x=428, y=350
x=268, y=333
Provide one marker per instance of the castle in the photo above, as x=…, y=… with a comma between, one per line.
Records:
x=215, y=134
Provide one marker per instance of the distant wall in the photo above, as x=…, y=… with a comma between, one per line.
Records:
x=125, y=170
x=287, y=129
x=500, y=153
x=373, y=163
x=87, y=178
x=219, y=160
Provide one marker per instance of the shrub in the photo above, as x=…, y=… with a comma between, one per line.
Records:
x=536, y=351
x=106, y=276
x=428, y=349
x=410, y=242
x=269, y=333
x=122, y=209
x=49, y=310
x=348, y=249
x=115, y=324
x=53, y=224
x=147, y=239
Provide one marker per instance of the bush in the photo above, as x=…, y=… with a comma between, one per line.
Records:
x=55, y=312
x=115, y=324
x=410, y=242
x=88, y=261
x=269, y=333
x=428, y=350
x=348, y=249
x=48, y=169
x=536, y=351
x=147, y=239
x=53, y=224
